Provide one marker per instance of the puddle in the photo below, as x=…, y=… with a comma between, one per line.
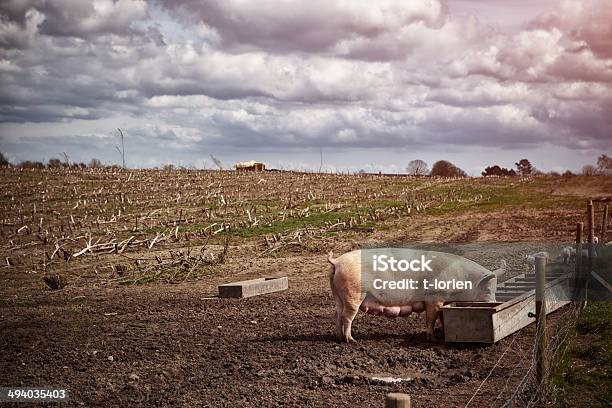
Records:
x=344, y=376
x=391, y=380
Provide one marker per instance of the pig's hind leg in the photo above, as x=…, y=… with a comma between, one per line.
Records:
x=339, y=310
x=346, y=310
x=348, y=315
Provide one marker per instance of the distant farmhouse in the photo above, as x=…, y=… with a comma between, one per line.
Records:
x=250, y=166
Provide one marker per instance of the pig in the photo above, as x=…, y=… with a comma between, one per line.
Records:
x=567, y=253
x=530, y=259
x=351, y=295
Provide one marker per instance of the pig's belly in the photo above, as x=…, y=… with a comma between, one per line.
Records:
x=371, y=305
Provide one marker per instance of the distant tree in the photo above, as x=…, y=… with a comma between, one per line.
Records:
x=28, y=164
x=168, y=167
x=554, y=174
x=496, y=170
x=54, y=163
x=95, y=164
x=4, y=161
x=604, y=163
x=524, y=167
x=417, y=168
x=443, y=168
x=568, y=173
x=588, y=170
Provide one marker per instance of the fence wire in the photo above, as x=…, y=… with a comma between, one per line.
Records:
x=528, y=392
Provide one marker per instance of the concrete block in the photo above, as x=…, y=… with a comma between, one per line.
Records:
x=253, y=287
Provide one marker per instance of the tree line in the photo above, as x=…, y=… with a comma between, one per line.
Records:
x=54, y=163
x=444, y=168
x=441, y=168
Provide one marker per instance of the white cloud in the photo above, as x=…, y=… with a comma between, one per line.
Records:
x=289, y=75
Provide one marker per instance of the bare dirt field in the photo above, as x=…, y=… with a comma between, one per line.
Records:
x=141, y=254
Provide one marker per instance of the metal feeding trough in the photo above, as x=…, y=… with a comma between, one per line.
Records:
x=481, y=322
x=253, y=287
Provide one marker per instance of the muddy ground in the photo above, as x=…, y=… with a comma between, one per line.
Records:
x=146, y=347
x=178, y=345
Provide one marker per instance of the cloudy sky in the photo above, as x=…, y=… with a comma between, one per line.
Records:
x=366, y=84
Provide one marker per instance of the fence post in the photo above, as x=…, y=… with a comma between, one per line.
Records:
x=397, y=400
x=540, y=269
x=578, y=279
x=590, y=225
x=604, y=225
x=591, y=249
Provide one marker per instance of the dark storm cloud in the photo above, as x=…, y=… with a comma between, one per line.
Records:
x=62, y=76
x=76, y=18
x=19, y=114
x=184, y=86
x=313, y=26
x=16, y=10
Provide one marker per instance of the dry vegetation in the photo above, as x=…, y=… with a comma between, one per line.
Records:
x=52, y=217
x=176, y=225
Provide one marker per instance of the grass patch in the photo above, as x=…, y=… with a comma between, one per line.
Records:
x=582, y=376
x=499, y=195
x=313, y=220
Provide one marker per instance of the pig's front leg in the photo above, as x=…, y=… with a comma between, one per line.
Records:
x=432, y=312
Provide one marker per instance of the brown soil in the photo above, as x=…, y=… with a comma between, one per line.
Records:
x=171, y=346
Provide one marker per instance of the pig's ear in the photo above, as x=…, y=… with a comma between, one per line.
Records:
x=487, y=288
x=503, y=267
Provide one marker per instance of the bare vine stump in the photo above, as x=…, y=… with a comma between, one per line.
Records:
x=55, y=282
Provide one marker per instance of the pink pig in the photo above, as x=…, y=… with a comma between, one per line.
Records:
x=345, y=280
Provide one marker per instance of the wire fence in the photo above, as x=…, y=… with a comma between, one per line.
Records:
x=522, y=388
